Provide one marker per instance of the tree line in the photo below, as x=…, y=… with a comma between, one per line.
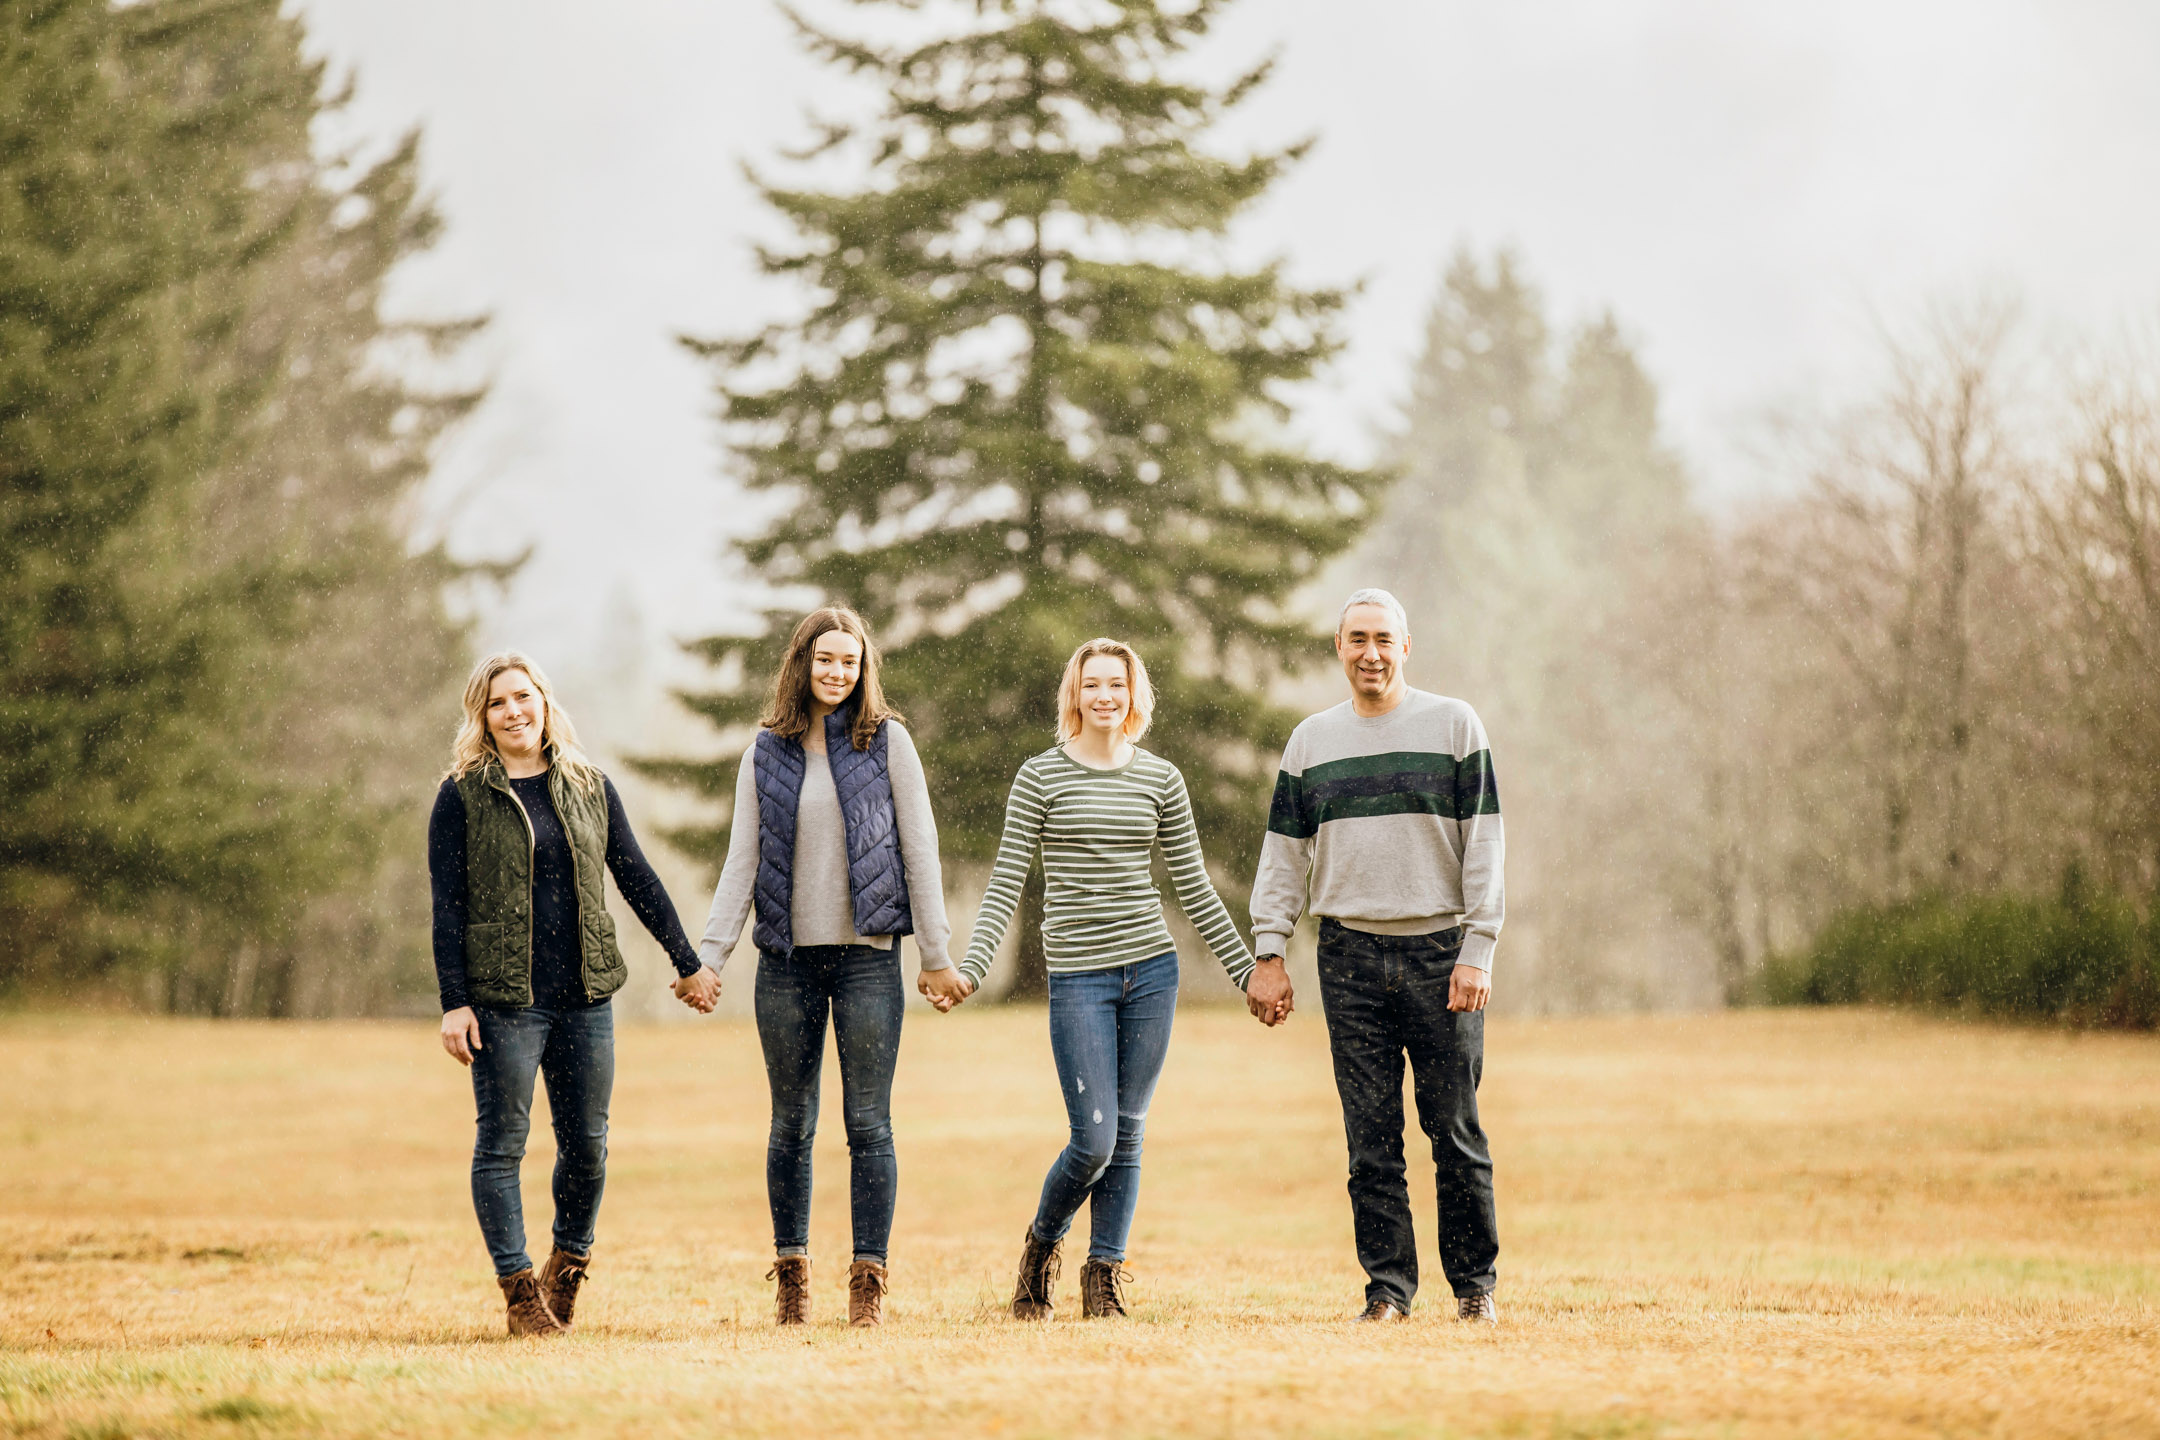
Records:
x=213, y=634
x=1029, y=398
x=1903, y=709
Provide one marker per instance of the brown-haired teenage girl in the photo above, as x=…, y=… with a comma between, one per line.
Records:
x=834, y=847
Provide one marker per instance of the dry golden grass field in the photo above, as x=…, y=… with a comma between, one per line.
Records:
x=1757, y=1224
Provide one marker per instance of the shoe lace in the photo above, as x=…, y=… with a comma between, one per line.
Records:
x=1475, y=1307
x=866, y=1286
x=794, y=1298
x=1039, y=1268
x=569, y=1275
x=1103, y=1287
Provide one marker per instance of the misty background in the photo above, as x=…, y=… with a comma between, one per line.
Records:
x=1753, y=190
x=1658, y=302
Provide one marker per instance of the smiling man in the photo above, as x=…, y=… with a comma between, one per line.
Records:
x=1387, y=816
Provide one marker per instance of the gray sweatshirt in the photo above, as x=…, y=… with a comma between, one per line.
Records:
x=824, y=910
x=1392, y=822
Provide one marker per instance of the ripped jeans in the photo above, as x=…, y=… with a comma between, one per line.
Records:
x=1109, y=1030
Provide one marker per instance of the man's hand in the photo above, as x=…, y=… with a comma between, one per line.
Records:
x=700, y=991
x=461, y=1033
x=1469, y=988
x=944, y=988
x=1267, y=991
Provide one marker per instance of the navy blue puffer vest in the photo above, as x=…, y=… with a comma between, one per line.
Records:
x=877, y=878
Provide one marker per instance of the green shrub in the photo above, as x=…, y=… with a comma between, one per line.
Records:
x=2080, y=958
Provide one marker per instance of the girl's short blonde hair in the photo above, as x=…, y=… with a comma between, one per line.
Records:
x=1136, y=681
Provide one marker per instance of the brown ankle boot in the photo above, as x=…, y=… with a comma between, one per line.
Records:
x=866, y=1295
x=1039, y=1264
x=559, y=1281
x=1102, y=1289
x=529, y=1313
x=791, y=1305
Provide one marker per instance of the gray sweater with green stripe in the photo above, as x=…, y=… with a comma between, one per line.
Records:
x=1097, y=831
x=1391, y=822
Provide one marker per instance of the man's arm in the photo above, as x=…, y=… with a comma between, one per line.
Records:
x=1278, y=899
x=1484, y=848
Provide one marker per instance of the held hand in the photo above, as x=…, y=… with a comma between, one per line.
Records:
x=461, y=1033
x=944, y=988
x=1267, y=991
x=1469, y=988
x=700, y=991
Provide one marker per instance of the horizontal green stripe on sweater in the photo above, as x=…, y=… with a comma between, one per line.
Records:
x=1400, y=782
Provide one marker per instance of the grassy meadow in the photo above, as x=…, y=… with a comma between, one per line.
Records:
x=1751, y=1224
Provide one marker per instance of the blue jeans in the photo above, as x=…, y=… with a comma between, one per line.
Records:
x=575, y=1051
x=861, y=987
x=1109, y=1030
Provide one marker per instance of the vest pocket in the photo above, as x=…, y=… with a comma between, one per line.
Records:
x=490, y=958
x=600, y=944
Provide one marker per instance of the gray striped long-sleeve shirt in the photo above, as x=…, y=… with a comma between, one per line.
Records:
x=1096, y=831
x=1392, y=822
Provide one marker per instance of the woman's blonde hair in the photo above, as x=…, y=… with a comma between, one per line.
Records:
x=787, y=710
x=1143, y=693
x=475, y=745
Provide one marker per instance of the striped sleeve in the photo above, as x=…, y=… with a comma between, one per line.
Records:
x=1180, y=841
x=1015, y=857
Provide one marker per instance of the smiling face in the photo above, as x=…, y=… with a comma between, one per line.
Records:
x=835, y=666
x=1105, y=694
x=516, y=715
x=1373, y=646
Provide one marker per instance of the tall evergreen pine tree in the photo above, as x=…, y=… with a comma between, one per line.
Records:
x=1023, y=409
x=211, y=634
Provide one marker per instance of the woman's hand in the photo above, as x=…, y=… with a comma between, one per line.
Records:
x=944, y=988
x=461, y=1033
x=700, y=991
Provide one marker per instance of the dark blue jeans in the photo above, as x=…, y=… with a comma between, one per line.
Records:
x=861, y=988
x=1109, y=1030
x=574, y=1050
x=1386, y=997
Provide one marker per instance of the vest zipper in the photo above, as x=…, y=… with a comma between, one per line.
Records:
x=532, y=847
x=577, y=890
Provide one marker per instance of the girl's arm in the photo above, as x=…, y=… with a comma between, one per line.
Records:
x=1016, y=855
x=1196, y=895
x=738, y=876
x=446, y=883
x=641, y=887
x=919, y=849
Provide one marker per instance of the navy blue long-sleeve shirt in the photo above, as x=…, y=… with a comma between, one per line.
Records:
x=555, y=980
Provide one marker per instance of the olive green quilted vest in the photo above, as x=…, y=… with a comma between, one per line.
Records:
x=498, y=888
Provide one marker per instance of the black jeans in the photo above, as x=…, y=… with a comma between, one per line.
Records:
x=1386, y=996
x=861, y=987
x=574, y=1051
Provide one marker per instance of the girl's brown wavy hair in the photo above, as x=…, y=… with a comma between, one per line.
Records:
x=787, y=713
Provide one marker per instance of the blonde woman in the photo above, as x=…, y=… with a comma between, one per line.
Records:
x=524, y=832
x=1095, y=807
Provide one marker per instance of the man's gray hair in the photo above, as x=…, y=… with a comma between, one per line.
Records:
x=1373, y=595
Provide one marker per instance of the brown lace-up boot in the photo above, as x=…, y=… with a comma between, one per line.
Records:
x=559, y=1281
x=791, y=1303
x=1039, y=1265
x=866, y=1295
x=1102, y=1289
x=529, y=1313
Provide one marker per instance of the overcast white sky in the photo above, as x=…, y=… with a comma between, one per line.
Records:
x=1744, y=184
